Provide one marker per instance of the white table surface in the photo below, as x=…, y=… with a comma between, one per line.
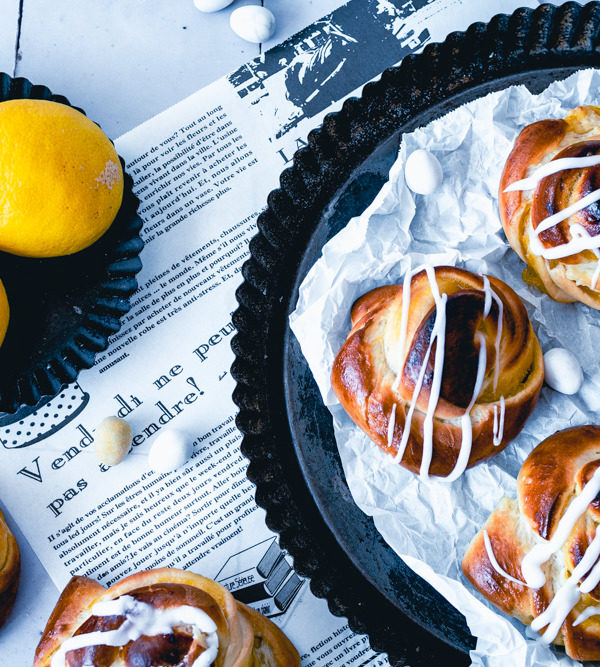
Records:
x=123, y=61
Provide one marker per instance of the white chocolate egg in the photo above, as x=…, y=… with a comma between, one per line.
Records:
x=562, y=371
x=253, y=23
x=211, y=5
x=112, y=440
x=170, y=451
x=423, y=172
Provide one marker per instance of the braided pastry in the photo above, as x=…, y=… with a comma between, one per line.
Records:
x=548, y=199
x=10, y=568
x=541, y=560
x=440, y=372
x=156, y=618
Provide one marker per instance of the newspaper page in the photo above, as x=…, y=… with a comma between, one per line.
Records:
x=202, y=170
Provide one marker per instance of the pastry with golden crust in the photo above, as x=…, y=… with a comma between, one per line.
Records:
x=548, y=200
x=440, y=372
x=10, y=569
x=155, y=618
x=541, y=560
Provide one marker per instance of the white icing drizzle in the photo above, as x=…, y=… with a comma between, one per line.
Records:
x=404, y=317
x=494, y=563
x=531, y=563
x=499, y=425
x=595, y=276
x=489, y=295
x=585, y=614
x=568, y=595
x=500, y=305
x=591, y=581
x=575, y=245
x=440, y=321
x=565, y=213
x=581, y=232
x=411, y=409
x=438, y=333
x=465, y=420
x=391, y=426
x=402, y=341
x=487, y=292
x=579, y=242
x=142, y=619
x=553, y=167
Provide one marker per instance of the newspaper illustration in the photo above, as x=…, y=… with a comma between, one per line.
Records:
x=202, y=170
x=263, y=577
x=325, y=62
x=33, y=424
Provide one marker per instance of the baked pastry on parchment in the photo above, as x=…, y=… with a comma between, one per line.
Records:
x=540, y=563
x=549, y=205
x=440, y=372
x=156, y=618
x=10, y=569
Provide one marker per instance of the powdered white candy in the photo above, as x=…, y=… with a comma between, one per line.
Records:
x=112, y=440
x=423, y=172
x=253, y=23
x=562, y=371
x=211, y=5
x=170, y=451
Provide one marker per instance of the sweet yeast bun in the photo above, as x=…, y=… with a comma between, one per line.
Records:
x=553, y=479
x=490, y=367
x=201, y=614
x=557, y=260
x=10, y=569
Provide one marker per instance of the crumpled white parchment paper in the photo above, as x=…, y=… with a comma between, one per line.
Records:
x=430, y=524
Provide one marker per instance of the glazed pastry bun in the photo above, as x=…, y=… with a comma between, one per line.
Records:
x=548, y=199
x=541, y=560
x=156, y=618
x=10, y=568
x=440, y=372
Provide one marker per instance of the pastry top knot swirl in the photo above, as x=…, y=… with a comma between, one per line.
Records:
x=385, y=372
x=556, y=263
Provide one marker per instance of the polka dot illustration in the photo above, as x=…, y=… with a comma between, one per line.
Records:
x=26, y=429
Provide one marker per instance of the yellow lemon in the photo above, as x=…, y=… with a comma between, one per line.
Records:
x=4, y=313
x=61, y=182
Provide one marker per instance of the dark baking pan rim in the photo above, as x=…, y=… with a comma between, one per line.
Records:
x=302, y=487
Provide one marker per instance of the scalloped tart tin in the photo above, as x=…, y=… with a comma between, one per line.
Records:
x=63, y=309
x=288, y=435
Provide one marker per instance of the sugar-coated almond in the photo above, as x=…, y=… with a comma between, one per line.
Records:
x=170, y=451
x=253, y=23
x=423, y=172
x=112, y=440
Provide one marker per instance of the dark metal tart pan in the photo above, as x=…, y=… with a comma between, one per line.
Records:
x=288, y=435
x=63, y=309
